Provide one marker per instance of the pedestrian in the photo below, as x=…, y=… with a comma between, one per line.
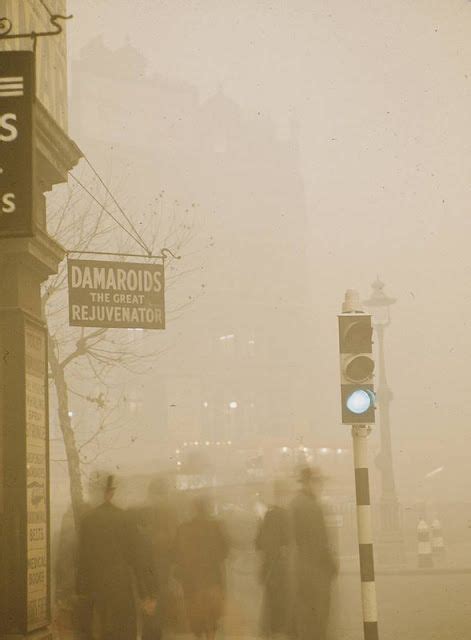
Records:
x=68, y=616
x=108, y=567
x=315, y=565
x=201, y=550
x=273, y=541
x=158, y=524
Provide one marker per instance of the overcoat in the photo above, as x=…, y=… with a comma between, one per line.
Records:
x=201, y=549
x=108, y=569
x=273, y=540
x=158, y=526
x=315, y=567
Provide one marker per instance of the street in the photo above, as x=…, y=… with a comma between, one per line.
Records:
x=432, y=607
x=412, y=605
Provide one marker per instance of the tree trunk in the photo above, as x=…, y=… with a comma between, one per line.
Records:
x=72, y=454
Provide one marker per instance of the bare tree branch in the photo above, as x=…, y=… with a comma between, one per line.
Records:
x=85, y=363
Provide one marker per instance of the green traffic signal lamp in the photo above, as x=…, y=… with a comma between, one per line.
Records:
x=360, y=401
x=358, y=404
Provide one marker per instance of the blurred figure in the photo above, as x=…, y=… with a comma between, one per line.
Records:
x=158, y=524
x=70, y=613
x=201, y=549
x=315, y=565
x=108, y=566
x=273, y=540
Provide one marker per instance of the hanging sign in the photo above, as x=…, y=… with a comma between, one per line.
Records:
x=121, y=295
x=16, y=143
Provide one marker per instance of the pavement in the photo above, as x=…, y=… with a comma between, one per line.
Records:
x=413, y=603
x=410, y=607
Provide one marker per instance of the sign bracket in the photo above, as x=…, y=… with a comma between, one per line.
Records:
x=6, y=26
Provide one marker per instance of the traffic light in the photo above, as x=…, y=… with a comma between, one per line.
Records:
x=356, y=368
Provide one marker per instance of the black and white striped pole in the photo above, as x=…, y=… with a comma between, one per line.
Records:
x=360, y=434
x=358, y=410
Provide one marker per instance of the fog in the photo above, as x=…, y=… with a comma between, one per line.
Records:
x=288, y=152
x=373, y=103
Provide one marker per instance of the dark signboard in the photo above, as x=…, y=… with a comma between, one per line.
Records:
x=16, y=142
x=116, y=294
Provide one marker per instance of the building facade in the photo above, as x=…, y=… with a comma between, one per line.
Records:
x=44, y=155
x=239, y=357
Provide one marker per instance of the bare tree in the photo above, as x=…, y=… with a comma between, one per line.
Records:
x=83, y=362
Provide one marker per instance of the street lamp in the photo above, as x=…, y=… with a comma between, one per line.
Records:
x=391, y=548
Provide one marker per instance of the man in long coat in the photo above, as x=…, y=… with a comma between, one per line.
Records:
x=315, y=565
x=273, y=541
x=108, y=568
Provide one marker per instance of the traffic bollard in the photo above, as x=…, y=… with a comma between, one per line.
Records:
x=424, y=546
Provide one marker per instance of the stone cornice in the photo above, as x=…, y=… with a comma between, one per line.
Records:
x=41, y=252
x=56, y=153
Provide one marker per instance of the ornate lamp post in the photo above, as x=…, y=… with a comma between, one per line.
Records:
x=390, y=539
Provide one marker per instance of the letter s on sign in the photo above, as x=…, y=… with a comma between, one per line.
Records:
x=6, y=125
x=8, y=203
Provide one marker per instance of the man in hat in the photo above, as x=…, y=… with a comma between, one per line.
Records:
x=108, y=566
x=315, y=565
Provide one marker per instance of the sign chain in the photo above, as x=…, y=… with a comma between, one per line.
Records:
x=139, y=242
